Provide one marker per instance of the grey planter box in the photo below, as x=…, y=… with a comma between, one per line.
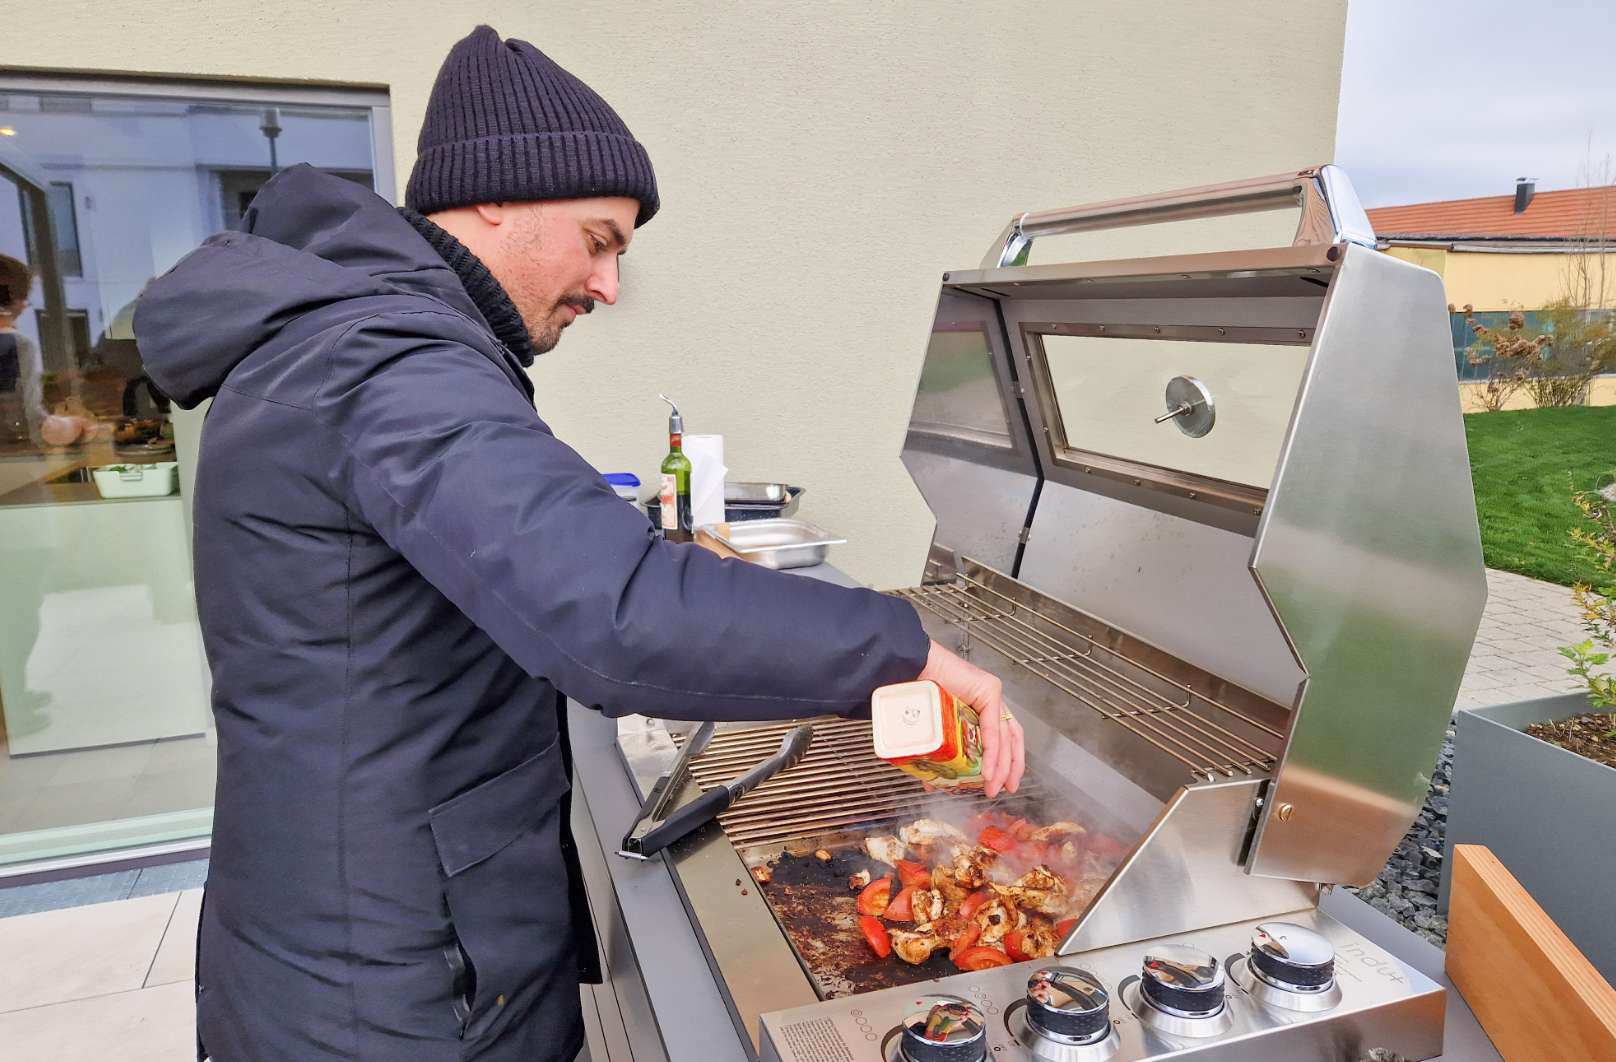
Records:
x=1548, y=814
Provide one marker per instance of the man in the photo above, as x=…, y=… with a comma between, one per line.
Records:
x=400, y=569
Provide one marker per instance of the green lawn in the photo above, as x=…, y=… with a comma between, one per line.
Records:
x=1524, y=464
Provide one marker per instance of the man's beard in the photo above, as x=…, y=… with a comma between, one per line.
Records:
x=548, y=333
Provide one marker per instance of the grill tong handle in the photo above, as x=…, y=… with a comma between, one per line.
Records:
x=715, y=802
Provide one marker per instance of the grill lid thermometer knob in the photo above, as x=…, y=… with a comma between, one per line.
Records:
x=944, y=1029
x=1183, y=981
x=1190, y=406
x=1066, y=1002
x=1292, y=957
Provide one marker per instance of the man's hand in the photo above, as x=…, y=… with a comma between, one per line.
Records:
x=1004, y=753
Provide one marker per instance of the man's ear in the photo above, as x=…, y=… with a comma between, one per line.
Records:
x=492, y=213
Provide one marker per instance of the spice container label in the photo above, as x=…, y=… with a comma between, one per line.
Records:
x=922, y=729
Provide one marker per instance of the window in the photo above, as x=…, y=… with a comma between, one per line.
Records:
x=958, y=394
x=237, y=188
x=105, y=730
x=1104, y=410
x=65, y=225
x=78, y=332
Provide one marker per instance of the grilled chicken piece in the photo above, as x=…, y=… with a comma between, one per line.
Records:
x=1039, y=940
x=933, y=839
x=927, y=905
x=885, y=849
x=1040, y=889
x=1057, y=832
x=995, y=918
x=1096, y=871
x=915, y=947
x=950, y=926
x=971, y=865
x=859, y=880
x=942, y=879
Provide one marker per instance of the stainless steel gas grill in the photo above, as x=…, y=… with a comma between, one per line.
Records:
x=1209, y=518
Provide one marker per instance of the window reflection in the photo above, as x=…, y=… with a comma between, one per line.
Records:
x=103, y=687
x=101, y=194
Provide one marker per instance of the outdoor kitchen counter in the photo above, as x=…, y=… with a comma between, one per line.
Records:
x=662, y=1002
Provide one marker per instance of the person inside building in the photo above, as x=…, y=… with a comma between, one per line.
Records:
x=22, y=400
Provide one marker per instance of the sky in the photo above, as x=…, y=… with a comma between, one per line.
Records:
x=1447, y=99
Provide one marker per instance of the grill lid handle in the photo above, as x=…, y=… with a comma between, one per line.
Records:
x=1331, y=212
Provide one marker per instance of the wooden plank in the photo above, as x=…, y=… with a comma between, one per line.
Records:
x=1532, y=990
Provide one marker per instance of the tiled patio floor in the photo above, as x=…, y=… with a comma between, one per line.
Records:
x=113, y=980
x=106, y=981
x=1516, y=655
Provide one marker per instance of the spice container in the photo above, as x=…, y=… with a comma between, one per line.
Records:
x=922, y=729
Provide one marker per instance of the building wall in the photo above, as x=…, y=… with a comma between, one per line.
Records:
x=820, y=167
x=1498, y=281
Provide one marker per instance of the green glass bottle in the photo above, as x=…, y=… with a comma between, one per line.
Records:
x=674, y=496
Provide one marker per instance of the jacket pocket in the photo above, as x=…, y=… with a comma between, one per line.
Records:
x=505, y=882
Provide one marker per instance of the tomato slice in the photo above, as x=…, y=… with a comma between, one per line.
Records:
x=975, y=900
x=902, y=907
x=997, y=839
x=875, y=897
x=1065, y=926
x=981, y=959
x=912, y=873
x=964, y=941
x=875, y=935
x=1013, y=945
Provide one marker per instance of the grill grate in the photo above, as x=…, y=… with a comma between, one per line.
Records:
x=1168, y=714
x=840, y=784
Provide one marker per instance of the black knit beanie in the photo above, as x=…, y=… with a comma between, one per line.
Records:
x=505, y=122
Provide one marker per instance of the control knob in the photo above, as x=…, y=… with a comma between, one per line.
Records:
x=1183, y=981
x=1292, y=957
x=944, y=1029
x=1069, y=1005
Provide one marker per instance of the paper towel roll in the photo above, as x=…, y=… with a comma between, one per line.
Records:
x=707, y=471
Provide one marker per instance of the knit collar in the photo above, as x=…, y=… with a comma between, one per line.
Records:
x=485, y=291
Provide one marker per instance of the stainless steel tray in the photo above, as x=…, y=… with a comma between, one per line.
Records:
x=759, y=493
x=784, y=543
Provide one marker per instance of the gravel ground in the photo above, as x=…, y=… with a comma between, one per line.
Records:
x=1406, y=889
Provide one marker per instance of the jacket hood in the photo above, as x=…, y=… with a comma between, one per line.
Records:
x=308, y=240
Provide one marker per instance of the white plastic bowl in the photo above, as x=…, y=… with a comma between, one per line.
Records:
x=137, y=481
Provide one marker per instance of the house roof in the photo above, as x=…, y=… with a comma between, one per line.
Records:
x=1572, y=213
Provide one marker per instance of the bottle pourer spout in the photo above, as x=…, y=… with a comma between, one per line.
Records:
x=676, y=423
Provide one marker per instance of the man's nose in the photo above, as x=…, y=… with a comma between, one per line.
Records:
x=604, y=283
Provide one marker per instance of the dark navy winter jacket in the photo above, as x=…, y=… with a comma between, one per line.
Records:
x=398, y=567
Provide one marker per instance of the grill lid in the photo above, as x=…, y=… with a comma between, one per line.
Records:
x=1311, y=539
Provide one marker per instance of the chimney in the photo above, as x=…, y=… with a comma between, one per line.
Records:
x=1525, y=188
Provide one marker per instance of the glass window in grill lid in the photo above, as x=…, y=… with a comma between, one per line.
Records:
x=1110, y=392
x=959, y=395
